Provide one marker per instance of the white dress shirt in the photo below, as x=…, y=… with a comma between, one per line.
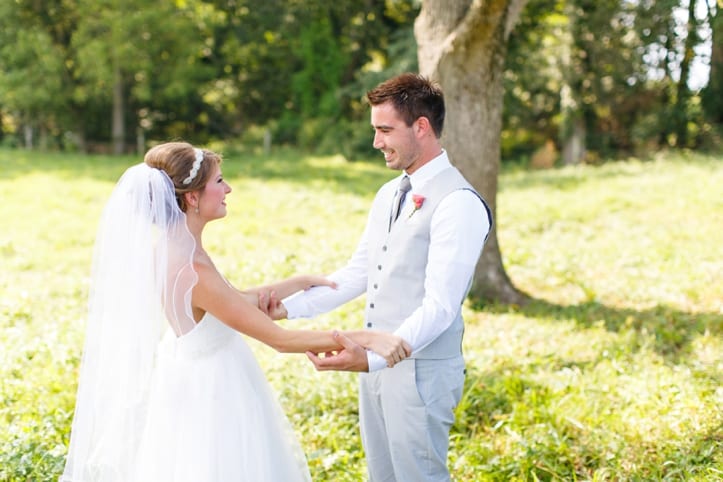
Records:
x=458, y=230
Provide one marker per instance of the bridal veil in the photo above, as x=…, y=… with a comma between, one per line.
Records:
x=141, y=284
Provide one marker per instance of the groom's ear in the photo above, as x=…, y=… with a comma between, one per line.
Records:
x=421, y=126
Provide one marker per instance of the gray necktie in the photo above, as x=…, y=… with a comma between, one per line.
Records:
x=404, y=187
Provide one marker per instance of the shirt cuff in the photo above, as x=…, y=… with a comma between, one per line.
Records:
x=296, y=306
x=375, y=361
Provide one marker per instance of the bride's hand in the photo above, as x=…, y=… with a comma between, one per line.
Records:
x=389, y=346
x=272, y=306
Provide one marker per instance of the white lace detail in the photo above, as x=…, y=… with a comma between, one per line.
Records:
x=196, y=166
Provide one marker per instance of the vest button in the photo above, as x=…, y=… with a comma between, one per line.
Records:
x=369, y=325
x=376, y=286
x=371, y=305
x=384, y=248
x=379, y=267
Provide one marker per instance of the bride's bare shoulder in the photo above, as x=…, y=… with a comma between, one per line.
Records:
x=208, y=274
x=203, y=265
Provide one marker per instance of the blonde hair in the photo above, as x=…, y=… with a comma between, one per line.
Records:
x=176, y=159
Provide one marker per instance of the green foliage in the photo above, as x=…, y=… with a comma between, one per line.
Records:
x=153, y=51
x=342, y=50
x=607, y=68
x=211, y=70
x=322, y=68
x=613, y=373
x=532, y=89
x=35, y=85
x=197, y=69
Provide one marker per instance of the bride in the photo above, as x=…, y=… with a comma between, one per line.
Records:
x=168, y=389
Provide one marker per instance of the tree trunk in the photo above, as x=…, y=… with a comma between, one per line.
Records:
x=28, y=135
x=666, y=96
x=683, y=91
x=713, y=93
x=43, y=141
x=118, y=127
x=573, y=151
x=462, y=45
x=140, y=141
x=572, y=127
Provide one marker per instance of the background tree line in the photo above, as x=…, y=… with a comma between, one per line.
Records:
x=583, y=80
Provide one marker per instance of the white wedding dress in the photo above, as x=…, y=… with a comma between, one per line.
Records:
x=160, y=397
x=212, y=415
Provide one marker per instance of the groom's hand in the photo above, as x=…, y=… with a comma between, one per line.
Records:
x=353, y=358
x=272, y=306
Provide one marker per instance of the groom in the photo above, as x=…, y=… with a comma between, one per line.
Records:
x=415, y=264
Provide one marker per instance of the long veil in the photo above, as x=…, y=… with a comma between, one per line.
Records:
x=141, y=284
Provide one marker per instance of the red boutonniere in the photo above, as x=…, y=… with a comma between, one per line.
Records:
x=418, y=200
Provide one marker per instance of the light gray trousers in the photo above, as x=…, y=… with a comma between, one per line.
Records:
x=406, y=413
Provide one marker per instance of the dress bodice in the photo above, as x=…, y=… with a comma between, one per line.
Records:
x=207, y=336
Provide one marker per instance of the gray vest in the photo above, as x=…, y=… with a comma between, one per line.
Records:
x=398, y=260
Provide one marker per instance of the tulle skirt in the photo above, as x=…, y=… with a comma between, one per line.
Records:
x=212, y=415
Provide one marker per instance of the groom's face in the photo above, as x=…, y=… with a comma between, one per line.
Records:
x=395, y=138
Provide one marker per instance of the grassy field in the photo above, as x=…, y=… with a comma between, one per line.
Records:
x=613, y=372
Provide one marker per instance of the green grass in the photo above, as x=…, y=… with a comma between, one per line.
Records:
x=612, y=373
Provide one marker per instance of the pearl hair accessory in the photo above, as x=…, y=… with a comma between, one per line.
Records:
x=196, y=165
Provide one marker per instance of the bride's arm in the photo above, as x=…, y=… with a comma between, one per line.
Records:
x=215, y=295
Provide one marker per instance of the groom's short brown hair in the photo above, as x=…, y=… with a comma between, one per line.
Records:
x=413, y=96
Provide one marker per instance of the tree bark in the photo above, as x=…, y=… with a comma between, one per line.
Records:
x=28, y=136
x=462, y=45
x=683, y=91
x=713, y=92
x=572, y=127
x=118, y=123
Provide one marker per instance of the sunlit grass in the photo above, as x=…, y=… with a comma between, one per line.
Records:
x=613, y=373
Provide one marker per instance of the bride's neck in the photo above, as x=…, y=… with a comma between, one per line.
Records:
x=195, y=226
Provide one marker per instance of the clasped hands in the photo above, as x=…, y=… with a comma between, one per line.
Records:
x=352, y=356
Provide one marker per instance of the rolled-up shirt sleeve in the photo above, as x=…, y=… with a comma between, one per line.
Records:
x=351, y=282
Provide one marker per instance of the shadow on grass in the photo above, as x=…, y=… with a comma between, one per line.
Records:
x=336, y=174
x=563, y=178
x=672, y=329
x=19, y=163
x=560, y=178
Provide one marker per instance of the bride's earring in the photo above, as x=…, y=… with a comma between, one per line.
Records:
x=196, y=209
